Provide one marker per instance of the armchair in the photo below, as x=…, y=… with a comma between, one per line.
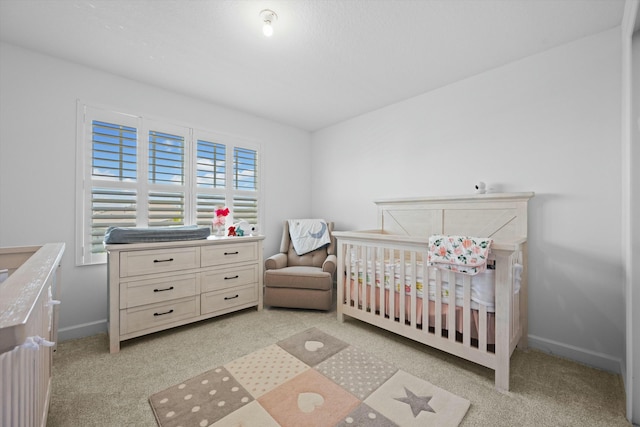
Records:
x=300, y=281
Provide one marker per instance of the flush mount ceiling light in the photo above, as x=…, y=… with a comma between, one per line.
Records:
x=268, y=17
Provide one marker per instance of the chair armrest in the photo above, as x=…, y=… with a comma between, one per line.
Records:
x=276, y=261
x=329, y=264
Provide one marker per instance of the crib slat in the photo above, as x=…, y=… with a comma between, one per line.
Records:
x=482, y=328
x=375, y=260
x=384, y=256
x=392, y=285
x=451, y=315
x=425, y=294
x=438, y=304
x=414, y=289
x=515, y=316
x=344, y=283
x=366, y=277
x=400, y=288
x=466, y=311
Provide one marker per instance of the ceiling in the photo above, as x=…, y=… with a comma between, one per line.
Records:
x=328, y=60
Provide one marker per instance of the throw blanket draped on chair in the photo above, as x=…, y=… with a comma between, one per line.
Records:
x=467, y=255
x=308, y=234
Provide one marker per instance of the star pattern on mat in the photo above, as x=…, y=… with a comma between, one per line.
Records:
x=417, y=403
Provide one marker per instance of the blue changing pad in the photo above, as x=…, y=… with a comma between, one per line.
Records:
x=116, y=235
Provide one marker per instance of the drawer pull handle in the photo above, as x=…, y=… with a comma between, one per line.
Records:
x=163, y=260
x=165, y=289
x=233, y=297
x=233, y=277
x=231, y=253
x=162, y=314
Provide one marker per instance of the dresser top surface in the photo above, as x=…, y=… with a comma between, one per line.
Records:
x=183, y=243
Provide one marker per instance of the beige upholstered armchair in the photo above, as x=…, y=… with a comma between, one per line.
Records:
x=300, y=281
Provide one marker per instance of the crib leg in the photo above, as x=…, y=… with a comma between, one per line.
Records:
x=339, y=309
x=523, y=343
x=502, y=376
x=502, y=359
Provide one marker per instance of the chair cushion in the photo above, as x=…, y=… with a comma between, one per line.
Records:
x=298, y=277
x=313, y=259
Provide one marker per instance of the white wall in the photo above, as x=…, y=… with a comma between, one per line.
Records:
x=37, y=163
x=633, y=362
x=550, y=124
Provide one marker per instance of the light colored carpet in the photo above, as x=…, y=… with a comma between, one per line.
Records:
x=92, y=387
x=311, y=379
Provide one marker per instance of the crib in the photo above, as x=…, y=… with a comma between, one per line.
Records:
x=384, y=278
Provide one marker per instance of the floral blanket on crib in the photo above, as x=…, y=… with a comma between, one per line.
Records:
x=462, y=254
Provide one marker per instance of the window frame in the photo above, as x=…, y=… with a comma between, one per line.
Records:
x=85, y=181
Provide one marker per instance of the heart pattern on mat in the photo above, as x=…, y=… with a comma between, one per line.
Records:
x=313, y=345
x=308, y=402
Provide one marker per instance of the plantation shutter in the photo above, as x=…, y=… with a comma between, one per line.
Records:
x=114, y=171
x=245, y=168
x=166, y=176
x=245, y=208
x=110, y=207
x=211, y=180
x=245, y=182
x=206, y=204
x=211, y=162
x=114, y=151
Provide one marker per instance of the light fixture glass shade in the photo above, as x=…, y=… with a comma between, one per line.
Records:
x=268, y=17
x=267, y=29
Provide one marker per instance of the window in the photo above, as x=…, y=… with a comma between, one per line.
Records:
x=139, y=172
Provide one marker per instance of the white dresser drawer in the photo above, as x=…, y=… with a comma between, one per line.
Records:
x=136, y=263
x=155, y=286
x=228, y=277
x=148, y=291
x=232, y=253
x=148, y=316
x=216, y=301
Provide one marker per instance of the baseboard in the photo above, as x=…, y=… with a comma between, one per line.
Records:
x=581, y=355
x=82, y=330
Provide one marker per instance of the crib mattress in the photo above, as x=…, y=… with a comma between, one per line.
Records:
x=482, y=284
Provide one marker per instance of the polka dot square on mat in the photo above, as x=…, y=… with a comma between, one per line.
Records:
x=357, y=371
x=201, y=400
x=309, y=400
x=265, y=369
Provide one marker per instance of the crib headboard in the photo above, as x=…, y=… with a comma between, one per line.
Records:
x=501, y=216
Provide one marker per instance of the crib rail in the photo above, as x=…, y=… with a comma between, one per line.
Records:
x=28, y=332
x=384, y=280
x=26, y=381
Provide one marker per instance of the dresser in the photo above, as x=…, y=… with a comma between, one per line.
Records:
x=156, y=286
